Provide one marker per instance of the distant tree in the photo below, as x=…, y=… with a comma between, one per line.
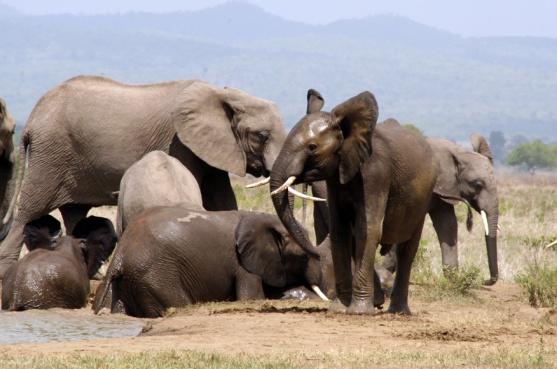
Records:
x=534, y=154
x=414, y=128
x=497, y=145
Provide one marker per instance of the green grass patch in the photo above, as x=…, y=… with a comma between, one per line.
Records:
x=539, y=284
x=449, y=283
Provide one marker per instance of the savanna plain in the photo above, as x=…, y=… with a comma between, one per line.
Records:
x=456, y=321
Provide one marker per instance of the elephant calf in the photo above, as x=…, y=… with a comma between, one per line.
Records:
x=172, y=256
x=157, y=179
x=56, y=271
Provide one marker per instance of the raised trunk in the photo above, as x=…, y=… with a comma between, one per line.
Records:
x=491, y=245
x=283, y=206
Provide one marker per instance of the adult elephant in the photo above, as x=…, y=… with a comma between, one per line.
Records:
x=173, y=256
x=82, y=136
x=56, y=271
x=379, y=185
x=157, y=179
x=465, y=176
x=7, y=167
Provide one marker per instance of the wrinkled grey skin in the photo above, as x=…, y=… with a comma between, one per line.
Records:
x=379, y=185
x=172, y=257
x=82, y=136
x=7, y=166
x=157, y=179
x=56, y=271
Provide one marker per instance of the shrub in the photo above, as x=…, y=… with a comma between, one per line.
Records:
x=539, y=284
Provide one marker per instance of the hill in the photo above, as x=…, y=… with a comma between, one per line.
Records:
x=445, y=84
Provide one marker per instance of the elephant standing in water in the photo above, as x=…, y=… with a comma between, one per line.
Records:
x=379, y=184
x=82, y=136
x=7, y=167
x=157, y=179
x=173, y=256
x=56, y=271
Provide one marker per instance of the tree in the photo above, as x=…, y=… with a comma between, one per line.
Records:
x=533, y=154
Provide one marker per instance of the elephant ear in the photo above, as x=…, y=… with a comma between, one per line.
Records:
x=447, y=187
x=40, y=233
x=258, y=246
x=480, y=145
x=357, y=118
x=205, y=121
x=99, y=239
x=315, y=101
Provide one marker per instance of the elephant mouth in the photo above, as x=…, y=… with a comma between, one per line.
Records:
x=256, y=167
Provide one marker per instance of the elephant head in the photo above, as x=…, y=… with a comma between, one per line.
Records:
x=7, y=128
x=323, y=146
x=265, y=248
x=229, y=129
x=468, y=176
x=93, y=239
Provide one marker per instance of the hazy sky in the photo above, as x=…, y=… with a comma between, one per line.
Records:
x=470, y=17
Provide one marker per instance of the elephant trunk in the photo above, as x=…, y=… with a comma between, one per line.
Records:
x=8, y=179
x=282, y=170
x=491, y=245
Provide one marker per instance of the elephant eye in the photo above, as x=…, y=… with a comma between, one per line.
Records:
x=478, y=185
x=312, y=147
x=263, y=136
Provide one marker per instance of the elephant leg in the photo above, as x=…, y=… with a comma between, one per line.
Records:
x=217, y=192
x=405, y=256
x=248, y=286
x=444, y=221
x=72, y=214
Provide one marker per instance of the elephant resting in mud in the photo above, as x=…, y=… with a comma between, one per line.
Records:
x=172, y=257
x=157, y=179
x=7, y=166
x=56, y=271
x=82, y=136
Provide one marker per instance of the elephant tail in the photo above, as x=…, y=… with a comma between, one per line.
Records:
x=22, y=165
x=105, y=290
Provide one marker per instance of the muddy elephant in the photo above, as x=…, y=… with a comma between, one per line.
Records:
x=172, y=257
x=56, y=271
x=157, y=179
x=82, y=136
x=379, y=185
x=7, y=167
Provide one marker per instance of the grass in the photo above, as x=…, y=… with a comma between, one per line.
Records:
x=386, y=357
x=539, y=283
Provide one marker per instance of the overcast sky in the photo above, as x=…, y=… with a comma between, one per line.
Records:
x=469, y=18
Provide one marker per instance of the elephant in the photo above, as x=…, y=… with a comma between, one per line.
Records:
x=82, y=136
x=380, y=180
x=464, y=176
x=57, y=270
x=173, y=256
x=157, y=179
x=467, y=176
x=7, y=167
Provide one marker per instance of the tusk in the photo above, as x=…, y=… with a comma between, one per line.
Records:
x=284, y=186
x=319, y=293
x=263, y=182
x=551, y=244
x=303, y=195
x=484, y=219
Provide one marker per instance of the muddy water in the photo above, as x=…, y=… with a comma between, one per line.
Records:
x=36, y=326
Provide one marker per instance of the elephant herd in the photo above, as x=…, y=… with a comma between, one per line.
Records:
x=163, y=154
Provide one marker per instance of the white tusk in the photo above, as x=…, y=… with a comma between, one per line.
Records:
x=263, y=182
x=319, y=293
x=484, y=219
x=551, y=244
x=284, y=186
x=303, y=195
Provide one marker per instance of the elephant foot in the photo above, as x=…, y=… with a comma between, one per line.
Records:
x=337, y=307
x=361, y=307
x=490, y=282
x=401, y=309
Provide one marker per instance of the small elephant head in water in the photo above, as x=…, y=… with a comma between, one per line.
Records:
x=57, y=270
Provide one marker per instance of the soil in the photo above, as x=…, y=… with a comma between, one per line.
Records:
x=498, y=314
